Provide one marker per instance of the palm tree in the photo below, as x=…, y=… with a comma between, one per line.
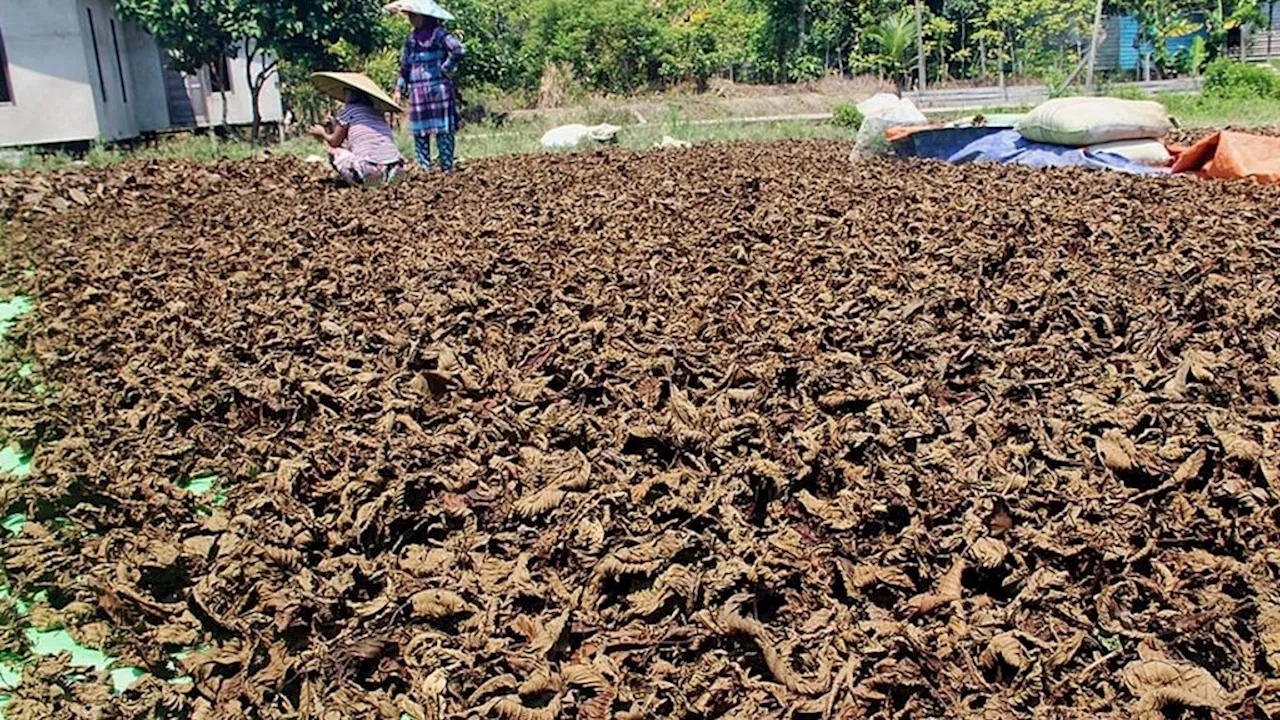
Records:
x=896, y=36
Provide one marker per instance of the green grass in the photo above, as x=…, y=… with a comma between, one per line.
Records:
x=482, y=144
x=473, y=143
x=1203, y=111
x=480, y=141
x=197, y=148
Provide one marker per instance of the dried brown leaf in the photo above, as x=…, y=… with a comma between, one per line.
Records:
x=1005, y=648
x=1268, y=625
x=1116, y=451
x=1190, y=467
x=989, y=552
x=1238, y=446
x=1161, y=682
x=436, y=604
x=950, y=589
x=540, y=502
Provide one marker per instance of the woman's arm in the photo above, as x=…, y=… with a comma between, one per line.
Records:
x=335, y=138
x=456, y=52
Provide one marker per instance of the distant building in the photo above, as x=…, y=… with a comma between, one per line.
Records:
x=1120, y=49
x=1264, y=43
x=73, y=71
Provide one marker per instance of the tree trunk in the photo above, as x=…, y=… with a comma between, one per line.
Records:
x=800, y=25
x=252, y=91
x=256, y=84
x=920, y=58
x=1093, y=44
x=780, y=49
x=226, y=124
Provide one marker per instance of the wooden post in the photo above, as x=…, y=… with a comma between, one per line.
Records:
x=1093, y=44
x=920, y=60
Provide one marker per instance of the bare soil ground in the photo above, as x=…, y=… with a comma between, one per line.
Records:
x=740, y=431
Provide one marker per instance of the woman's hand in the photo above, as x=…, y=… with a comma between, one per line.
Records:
x=318, y=131
x=395, y=97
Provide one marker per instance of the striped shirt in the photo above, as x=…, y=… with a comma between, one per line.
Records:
x=369, y=137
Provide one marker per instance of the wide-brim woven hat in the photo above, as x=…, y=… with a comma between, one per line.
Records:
x=336, y=85
x=430, y=8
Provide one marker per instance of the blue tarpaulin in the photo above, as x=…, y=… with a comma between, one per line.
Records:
x=1006, y=146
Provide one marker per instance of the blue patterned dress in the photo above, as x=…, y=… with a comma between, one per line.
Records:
x=425, y=65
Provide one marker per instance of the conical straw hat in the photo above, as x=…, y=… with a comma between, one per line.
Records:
x=336, y=85
x=430, y=8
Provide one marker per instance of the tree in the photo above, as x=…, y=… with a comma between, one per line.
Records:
x=299, y=31
x=709, y=36
x=611, y=45
x=895, y=38
x=1225, y=16
x=195, y=33
x=781, y=34
x=489, y=30
x=964, y=13
x=1037, y=35
x=940, y=29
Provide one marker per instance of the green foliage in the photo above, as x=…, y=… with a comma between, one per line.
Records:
x=1232, y=79
x=895, y=42
x=1197, y=55
x=611, y=45
x=194, y=32
x=1035, y=35
x=804, y=68
x=490, y=29
x=307, y=34
x=382, y=63
x=1056, y=80
x=846, y=115
x=709, y=36
x=1223, y=16
x=619, y=46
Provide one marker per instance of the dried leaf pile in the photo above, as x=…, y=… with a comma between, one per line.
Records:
x=740, y=431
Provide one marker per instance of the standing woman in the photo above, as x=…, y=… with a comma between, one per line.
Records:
x=431, y=55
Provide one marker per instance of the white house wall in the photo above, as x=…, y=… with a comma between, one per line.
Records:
x=150, y=105
x=114, y=95
x=239, y=104
x=53, y=100
x=59, y=95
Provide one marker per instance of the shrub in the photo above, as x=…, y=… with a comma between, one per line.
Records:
x=1227, y=78
x=846, y=115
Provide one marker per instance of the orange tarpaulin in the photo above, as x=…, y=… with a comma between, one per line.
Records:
x=894, y=134
x=1233, y=155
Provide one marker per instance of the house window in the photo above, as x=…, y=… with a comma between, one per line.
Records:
x=220, y=76
x=115, y=43
x=97, y=56
x=6, y=87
